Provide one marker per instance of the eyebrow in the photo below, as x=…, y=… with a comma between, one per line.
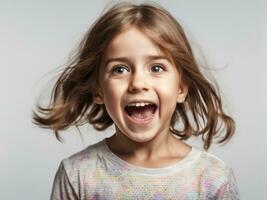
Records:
x=125, y=59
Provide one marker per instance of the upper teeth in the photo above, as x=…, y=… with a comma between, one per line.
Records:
x=139, y=104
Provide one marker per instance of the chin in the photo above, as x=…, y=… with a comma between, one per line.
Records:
x=142, y=137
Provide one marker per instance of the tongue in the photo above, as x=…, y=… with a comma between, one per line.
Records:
x=140, y=112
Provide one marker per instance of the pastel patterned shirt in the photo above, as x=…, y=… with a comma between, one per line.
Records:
x=96, y=173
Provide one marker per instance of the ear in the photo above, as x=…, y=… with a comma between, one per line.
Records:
x=98, y=98
x=182, y=93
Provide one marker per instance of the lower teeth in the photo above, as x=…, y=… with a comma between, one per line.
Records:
x=142, y=119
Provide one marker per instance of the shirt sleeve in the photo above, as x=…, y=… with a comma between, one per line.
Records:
x=62, y=188
x=219, y=184
x=228, y=190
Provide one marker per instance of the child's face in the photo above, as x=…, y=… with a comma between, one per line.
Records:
x=136, y=77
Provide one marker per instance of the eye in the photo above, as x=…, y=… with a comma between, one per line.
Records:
x=119, y=69
x=157, y=68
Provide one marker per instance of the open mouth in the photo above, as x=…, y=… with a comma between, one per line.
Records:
x=141, y=112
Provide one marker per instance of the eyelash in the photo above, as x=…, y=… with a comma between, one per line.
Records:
x=121, y=66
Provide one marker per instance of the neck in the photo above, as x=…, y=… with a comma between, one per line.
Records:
x=163, y=144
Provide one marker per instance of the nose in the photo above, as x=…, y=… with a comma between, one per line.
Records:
x=138, y=82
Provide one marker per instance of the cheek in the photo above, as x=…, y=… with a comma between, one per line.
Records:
x=168, y=86
x=113, y=94
x=168, y=92
x=113, y=88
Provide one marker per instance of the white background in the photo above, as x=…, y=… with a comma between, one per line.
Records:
x=36, y=37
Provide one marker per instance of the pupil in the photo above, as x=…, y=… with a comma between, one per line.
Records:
x=156, y=68
x=120, y=69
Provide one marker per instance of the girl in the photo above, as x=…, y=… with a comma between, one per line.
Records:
x=136, y=69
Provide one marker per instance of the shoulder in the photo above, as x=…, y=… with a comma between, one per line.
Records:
x=213, y=167
x=210, y=160
x=82, y=160
x=217, y=180
x=72, y=170
x=215, y=175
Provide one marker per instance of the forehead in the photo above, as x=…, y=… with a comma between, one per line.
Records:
x=132, y=43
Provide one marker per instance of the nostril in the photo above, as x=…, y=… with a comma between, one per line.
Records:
x=138, y=84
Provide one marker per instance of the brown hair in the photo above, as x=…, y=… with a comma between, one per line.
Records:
x=73, y=93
